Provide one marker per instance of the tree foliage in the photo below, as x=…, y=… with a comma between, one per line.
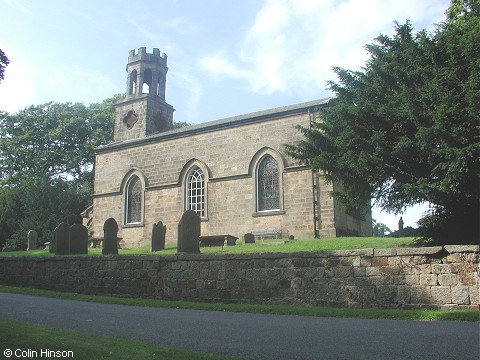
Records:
x=3, y=64
x=46, y=165
x=53, y=139
x=405, y=129
x=46, y=168
x=180, y=124
x=39, y=204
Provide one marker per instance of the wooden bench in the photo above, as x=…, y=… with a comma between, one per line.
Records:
x=217, y=240
x=94, y=243
x=97, y=242
x=267, y=233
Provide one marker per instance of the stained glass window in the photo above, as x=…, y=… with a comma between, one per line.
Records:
x=134, y=201
x=267, y=185
x=196, y=192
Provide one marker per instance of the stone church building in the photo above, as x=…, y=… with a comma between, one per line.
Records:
x=234, y=172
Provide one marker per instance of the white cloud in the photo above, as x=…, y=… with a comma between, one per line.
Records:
x=292, y=44
x=270, y=20
x=183, y=78
x=16, y=90
x=219, y=66
x=18, y=5
x=90, y=86
x=25, y=85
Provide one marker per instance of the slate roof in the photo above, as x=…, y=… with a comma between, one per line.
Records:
x=229, y=122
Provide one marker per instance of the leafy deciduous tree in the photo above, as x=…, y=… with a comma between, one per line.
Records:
x=53, y=139
x=46, y=167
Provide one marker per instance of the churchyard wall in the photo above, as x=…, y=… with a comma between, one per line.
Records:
x=435, y=277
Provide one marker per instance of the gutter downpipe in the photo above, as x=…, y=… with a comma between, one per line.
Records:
x=314, y=192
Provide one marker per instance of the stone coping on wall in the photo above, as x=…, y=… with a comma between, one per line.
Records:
x=387, y=252
x=445, y=277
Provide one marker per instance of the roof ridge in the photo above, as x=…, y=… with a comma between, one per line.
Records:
x=219, y=123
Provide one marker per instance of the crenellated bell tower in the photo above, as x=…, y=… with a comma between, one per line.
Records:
x=143, y=110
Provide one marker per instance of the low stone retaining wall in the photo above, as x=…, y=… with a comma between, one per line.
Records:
x=435, y=277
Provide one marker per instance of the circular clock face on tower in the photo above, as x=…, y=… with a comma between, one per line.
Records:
x=130, y=119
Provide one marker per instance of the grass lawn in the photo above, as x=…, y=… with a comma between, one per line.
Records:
x=27, y=337
x=317, y=311
x=344, y=243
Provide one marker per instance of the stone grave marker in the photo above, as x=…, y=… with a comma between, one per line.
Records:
x=158, y=236
x=189, y=233
x=62, y=239
x=32, y=237
x=249, y=238
x=52, y=245
x=78, y=239
x=110, y=240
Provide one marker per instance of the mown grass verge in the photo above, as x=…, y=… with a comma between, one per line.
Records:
x=32, y=339
x=345, y=243
x=392, y=314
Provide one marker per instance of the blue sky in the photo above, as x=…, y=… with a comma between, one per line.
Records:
x=225, y=57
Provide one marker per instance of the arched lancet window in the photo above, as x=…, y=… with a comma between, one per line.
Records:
x=147, y=82
x=132, y=88
x=195, y=194
x=268, y=194
x=133, y=201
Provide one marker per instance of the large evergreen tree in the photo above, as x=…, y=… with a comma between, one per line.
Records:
x=405, y=129
x=3, y=64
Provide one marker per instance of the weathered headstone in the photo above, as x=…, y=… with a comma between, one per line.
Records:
x=189, y=233
x=78, y=239
x=249, y=238
x=52, y=245
x=32, y=237
x=110, y=241
x=62, y=239
x=158, y=236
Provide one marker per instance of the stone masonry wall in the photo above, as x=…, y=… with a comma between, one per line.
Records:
x=436, y=277
x=227, y=157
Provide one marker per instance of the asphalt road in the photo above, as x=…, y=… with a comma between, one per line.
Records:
x=253, y=336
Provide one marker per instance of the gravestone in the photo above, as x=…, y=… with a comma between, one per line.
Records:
x=52, y=245
x=62, y=239
x=32, y=237
x=249, y=238
x=158, y=236
x=110, y=240
x=189, y=233
x=78, y=239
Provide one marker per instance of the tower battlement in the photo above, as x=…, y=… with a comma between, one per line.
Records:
x=142, y=55
x=144, y=111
